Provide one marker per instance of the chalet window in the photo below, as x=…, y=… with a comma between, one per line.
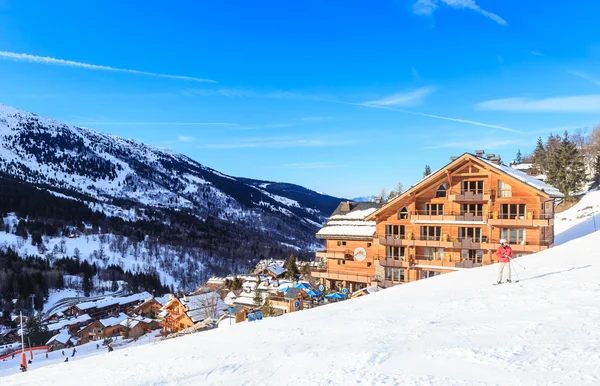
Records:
x=434, y=209
x=513, y=235
x=368, y=264
x=403, y=214
x=475, y=255
x=396, y=231
x=402, y=277
x=395, y=270
x=395, y=252
x=340, y=243
x=434, y=253
x=368, y=245
x=341, y=262
x=441, y=191
x=504, y=189
x=474, y=209
x=475, y=187
x=426, y=274
x=513, y=211
x=470, y=234
x=431, y=233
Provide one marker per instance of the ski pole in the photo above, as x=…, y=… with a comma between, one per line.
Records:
x=517, y=263
x=516, y=273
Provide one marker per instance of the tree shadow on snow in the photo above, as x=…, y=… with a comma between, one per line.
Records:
x=556, y=273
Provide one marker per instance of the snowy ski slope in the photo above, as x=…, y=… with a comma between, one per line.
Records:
x=455, y=329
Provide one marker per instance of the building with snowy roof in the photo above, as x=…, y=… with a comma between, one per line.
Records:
x=350, y=252
x=454, y=218
x=184, y=312
x=61, y=340
x=108, y=305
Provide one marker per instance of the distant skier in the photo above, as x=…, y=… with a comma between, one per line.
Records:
x=66, y=359
x=504, y=253
x=13, y=356
x=23, y=368
x=63, y=352
x=97, y=346
x=110, y=349
x=74, y=351
x=46, y=354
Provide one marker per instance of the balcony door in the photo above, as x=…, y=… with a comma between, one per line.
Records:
x=395, y=231
x=474, y=187
x=513, y=211
x=469, y=234
x=431, y=233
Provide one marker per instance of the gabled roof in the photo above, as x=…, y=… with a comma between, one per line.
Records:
x=68, y=322
x=113, y=321
x=348, y=221
x=111, y=301
x=276, y=269
x=62, y=337
x=543, y=188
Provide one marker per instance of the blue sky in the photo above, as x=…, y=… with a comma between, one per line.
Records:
x=343, y=97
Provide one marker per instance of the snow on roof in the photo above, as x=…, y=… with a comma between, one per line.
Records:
x=276, y=269
x=68, y=322
x=199, y=307
x=113, y=321
x=522, y=166
x=112, y=300
x=368, y=290
x=529, y=180
x=354, y=215
x=134, y=321
x=367, y=229
x=62, y=337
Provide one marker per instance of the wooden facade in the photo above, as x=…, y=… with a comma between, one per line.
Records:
x=349, y=259
x=451, y=220
x=455, y=218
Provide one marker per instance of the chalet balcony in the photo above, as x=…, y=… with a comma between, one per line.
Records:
x=394, y=261
x=470, y=242
x=528, y=220
x=427, y=261
x=333, y=254
x=470, y=195
x=409, y=240
x=344, y=276
x=425, y=216
x=524, y=246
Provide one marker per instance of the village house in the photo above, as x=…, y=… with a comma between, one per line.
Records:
x=90, y=332
x=60, y=341
x=73, y=324
x=181, y=313
x=290, y=301
x=273, y=270
x=108, y=305
x=454, y=218
x=351, y=248
x=101, y=329
x=138, y=326
x=150, y=307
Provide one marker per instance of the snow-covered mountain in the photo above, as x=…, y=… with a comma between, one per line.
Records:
x=454, y=329
x=160, y=196
x=365, y=199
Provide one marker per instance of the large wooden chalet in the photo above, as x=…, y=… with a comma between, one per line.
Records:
x=451, y=220
x=184, y=312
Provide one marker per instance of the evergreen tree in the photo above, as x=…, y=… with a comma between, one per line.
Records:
x=596, y=178
x=88, y=285
x=258, y=300
x=519, y=157
x=539, y=159
x=566, y=169
x=427, y=171
x=36, y=331
x=267, y=308
x=292, y=268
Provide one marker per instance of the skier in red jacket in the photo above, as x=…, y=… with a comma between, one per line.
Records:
x=504, y=253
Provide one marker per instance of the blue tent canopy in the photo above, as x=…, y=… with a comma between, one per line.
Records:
x=335, y=295
x=312, y=292
x=302, y=286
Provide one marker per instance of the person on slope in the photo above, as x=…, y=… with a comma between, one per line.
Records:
x=504, y=253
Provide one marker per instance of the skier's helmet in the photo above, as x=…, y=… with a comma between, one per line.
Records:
x=502, y=241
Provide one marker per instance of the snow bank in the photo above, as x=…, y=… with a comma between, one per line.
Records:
x=454, y=329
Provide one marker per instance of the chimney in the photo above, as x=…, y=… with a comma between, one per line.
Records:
x=479, y=153
x=345, y=206
x=490, y=156
x=378, y=200
x=495, y=160
x=453, y=158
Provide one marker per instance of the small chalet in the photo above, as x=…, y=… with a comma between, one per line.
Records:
x=290, y=301
x=60, y=341
x=150, y=307
x=73, y=324
x=181, y=313
x=92, y=331
x=273, y=270
x=138, y=326
x=101, y=329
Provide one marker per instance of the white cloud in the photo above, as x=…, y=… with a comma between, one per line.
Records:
x=569, y=104
x=312, y=165
x=586, y=77
x=412, y=98
x=279, y=143
x=478, y=144
x=536, y=53
x=415, y=73
x=185, y=138
x=68, y=63
x=428, y=7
